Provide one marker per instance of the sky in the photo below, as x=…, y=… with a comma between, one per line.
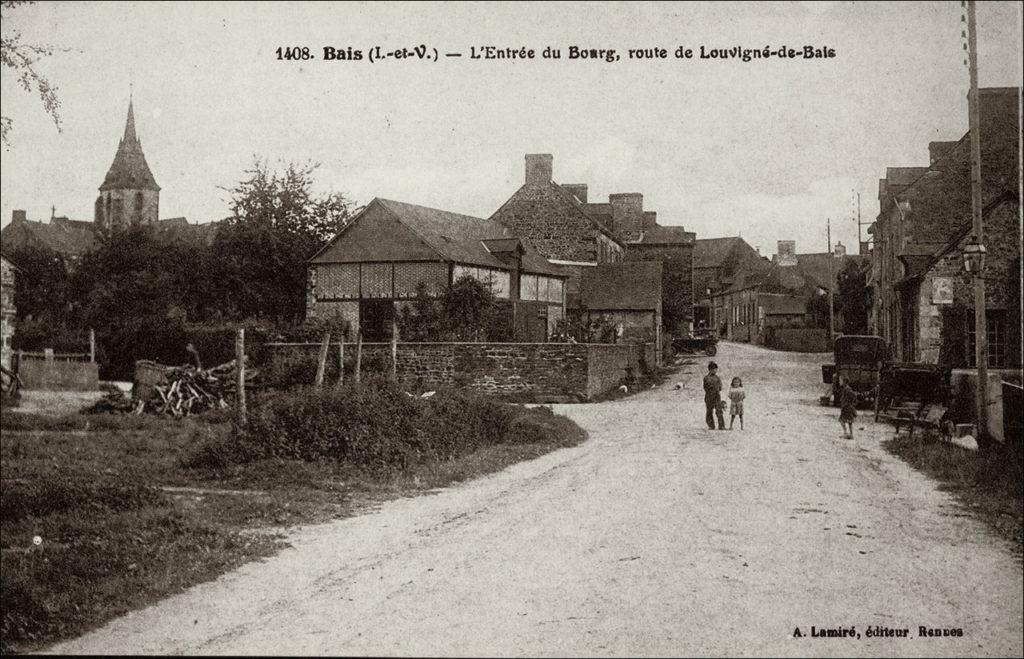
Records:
x=767, y=149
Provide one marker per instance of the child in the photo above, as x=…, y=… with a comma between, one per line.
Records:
x=848, y=405
x=736, y=396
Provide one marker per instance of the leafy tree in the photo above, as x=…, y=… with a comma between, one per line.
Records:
x=465, y=311
x=21, y=59
x=853, y=297
x=42, y=288
x=277, y=223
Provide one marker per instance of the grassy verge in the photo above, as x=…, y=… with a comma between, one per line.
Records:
x=988, y=485
x=131, y=509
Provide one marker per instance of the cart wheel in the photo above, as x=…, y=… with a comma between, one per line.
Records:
x=711, y=351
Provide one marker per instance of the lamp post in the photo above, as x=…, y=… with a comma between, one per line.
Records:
x=974, y=252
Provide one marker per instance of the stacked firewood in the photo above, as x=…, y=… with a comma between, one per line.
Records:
x=187, y=390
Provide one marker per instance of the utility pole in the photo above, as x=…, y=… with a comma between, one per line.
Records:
x=831, y=285
x=980, y=333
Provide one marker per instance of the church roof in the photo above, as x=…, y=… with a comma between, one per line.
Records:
x=129, y=169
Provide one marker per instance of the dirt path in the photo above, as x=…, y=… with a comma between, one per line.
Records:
x=654, y=537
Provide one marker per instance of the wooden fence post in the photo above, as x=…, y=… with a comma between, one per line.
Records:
x=92, y=345
x=321, y=362
x=359, y=356
x=240, y=376
x=394, y=349
x=341, y=361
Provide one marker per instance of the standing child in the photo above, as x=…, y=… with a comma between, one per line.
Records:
x=848, y=407
x=736, y=396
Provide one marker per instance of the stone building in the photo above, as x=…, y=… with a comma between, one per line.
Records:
x=558, y=221
x=923, y=214
x=938, y=295
x=716, y=262
x=72, y=239
x=8, y=272
x=625, y=299
x=578, y=234
x=129, y=193
x=375, y=265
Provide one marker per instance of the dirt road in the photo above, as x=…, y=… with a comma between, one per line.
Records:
x=656, y=536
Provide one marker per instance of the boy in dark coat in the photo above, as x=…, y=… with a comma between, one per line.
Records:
x=713, y=397
x=848, y=407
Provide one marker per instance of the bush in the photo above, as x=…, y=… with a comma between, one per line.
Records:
x=377, y=427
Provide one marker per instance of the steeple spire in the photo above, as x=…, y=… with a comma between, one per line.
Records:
x=129, y=127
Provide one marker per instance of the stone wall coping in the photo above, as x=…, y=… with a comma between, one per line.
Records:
x=454, y=343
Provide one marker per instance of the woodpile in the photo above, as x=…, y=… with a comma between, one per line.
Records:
x=185, y=390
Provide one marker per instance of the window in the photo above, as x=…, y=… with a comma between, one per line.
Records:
x=995, y=320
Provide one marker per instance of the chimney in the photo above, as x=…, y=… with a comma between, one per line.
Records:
x=578, y=190
x=840, y=249
x=627, y=214
x=786, y=253
x=538, y=168
x=17, y=216
x=650, y=220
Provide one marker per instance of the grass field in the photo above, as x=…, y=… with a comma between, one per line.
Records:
x=100, y=515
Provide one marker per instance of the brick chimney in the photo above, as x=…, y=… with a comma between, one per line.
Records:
x=650, y=220
x=18, y=216
x=578, y=190
x=786, y=252
x=538, y=168
x=840, y=249
x=627, y=214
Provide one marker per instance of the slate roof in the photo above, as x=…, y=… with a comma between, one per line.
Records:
x=782, y=304
x=630, y=285
x=71, y=238
x=129, y=169
x=455, y=237
x=712, y=252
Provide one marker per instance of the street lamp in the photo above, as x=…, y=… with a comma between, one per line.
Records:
x=974, y=257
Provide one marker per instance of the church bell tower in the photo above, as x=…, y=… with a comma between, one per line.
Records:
x=129, y=194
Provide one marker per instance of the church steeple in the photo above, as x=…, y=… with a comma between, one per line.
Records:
x=129, y=169
x=129, y=193
x=129, y=127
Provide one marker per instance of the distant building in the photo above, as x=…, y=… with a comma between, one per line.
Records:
x=716, y=261
x=7, y=309
x=129, y=194
x=372, y=269
x=578, y=234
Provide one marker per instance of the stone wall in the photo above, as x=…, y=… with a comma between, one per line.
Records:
x=7, y=311
x=797, y=340
x=534, y=371
x=58, y=375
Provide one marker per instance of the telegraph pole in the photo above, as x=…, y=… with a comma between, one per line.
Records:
x=831, y=284
x=980, y=333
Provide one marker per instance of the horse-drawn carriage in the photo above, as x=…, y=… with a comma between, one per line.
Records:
x=859, y=360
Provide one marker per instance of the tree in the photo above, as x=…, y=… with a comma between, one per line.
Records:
x=42, y=287
x=853, y=301
x=21, y=58
x=466, y=311
x=277, y=223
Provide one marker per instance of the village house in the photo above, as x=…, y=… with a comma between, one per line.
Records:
x=716, y=261
x=374, y=266
x=765, y=297
x=623, y=300
x=578, y=234
x=925, y=218
x=8, y=273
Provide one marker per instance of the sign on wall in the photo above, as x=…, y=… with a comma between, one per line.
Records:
x=942, y=290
